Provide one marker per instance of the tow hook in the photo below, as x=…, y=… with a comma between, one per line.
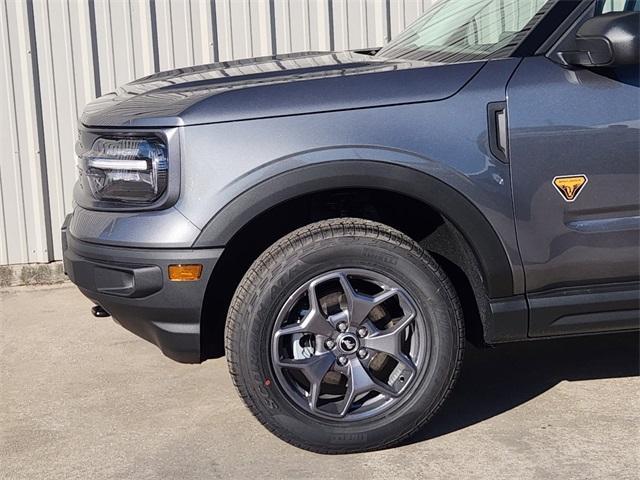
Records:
x=99, y=312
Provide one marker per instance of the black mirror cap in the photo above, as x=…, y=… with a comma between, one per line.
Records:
x=608, y=40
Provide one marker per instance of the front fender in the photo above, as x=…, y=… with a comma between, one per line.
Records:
x=337, y=172
x=436, y=152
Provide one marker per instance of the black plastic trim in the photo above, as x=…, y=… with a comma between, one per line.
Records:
x=547, y=27
x=508, y=322
x=586, y=309
x=498, y=130
x=167, y=314
x=568, y=26
x=566, y=39
x=132, y=281
x=476, y=229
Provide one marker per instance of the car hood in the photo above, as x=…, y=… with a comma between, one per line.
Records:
x=274, y=86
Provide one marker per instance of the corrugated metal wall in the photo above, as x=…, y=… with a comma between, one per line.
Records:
x=57, y=55
x=23, y=230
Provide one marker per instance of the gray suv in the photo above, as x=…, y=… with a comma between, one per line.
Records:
x=340, y=224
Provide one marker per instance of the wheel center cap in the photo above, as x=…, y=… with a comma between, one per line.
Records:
x=348, y=343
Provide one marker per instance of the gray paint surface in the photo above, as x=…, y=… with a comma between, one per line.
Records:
x=93, y=401
x=586, y=123
x=265, y=87
x=403, y=126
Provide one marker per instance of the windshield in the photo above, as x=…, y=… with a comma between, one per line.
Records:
x=464, y=30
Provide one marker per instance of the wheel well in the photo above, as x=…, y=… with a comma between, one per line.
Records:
x=419, y=221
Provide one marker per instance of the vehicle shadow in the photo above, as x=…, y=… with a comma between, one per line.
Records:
x=496, y=380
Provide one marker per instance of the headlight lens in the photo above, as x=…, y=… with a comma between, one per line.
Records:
x=126, y=169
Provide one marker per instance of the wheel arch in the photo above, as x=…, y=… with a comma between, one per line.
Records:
x=461, y=212
x=281, y=204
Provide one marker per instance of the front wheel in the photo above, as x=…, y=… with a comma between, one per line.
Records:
x=344, y=336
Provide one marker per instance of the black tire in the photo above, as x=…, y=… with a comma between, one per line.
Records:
x=311, y=251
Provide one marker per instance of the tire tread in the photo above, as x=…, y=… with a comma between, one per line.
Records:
x=305, y=237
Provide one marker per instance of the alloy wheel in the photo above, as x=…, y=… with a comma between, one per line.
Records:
x=348, y=345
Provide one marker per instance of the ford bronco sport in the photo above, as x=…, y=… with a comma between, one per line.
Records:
x=341, y=223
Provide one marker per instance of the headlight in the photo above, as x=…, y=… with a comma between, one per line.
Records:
x=126, y=169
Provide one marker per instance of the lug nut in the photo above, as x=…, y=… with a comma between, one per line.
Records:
x=362, y=332
x=342, y=360
x=342, y=327
x=362, y=353
x=329, y=344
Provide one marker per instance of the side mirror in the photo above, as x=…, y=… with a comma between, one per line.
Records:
x=607, y=40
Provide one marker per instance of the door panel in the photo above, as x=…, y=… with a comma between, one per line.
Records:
x=575, y=122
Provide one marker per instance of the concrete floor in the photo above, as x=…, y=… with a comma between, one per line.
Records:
x=82, y=398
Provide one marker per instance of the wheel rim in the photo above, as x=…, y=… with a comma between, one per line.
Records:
x=348, y=345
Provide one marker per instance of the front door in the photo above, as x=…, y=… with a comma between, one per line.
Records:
x=575, y=154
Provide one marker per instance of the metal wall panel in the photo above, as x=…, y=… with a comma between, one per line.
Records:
x=86, y=48
x=404, y=13
x=123, y=46
x=22, y=208
x=243, y=28
x=66, y=85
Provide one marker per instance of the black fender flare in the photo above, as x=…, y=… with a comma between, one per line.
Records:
x=473, y=225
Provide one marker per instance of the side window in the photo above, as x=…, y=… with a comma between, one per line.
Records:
x=606, y=6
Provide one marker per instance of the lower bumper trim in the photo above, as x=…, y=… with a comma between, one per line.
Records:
x=132, y=285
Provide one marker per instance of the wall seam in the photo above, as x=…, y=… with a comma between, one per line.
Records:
x=153, y=18
x=332, y=39
x=272, y=25
x=42, y=151
x=94, y=49
x=214, y=31
x=388, y=16
x=16, y=139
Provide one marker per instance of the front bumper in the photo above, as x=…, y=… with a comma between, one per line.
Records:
x=132, y=285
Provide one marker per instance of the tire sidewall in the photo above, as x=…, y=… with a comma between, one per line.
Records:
x=281, y=277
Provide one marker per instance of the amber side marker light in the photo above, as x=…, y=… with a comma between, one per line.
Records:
x=185, y=273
